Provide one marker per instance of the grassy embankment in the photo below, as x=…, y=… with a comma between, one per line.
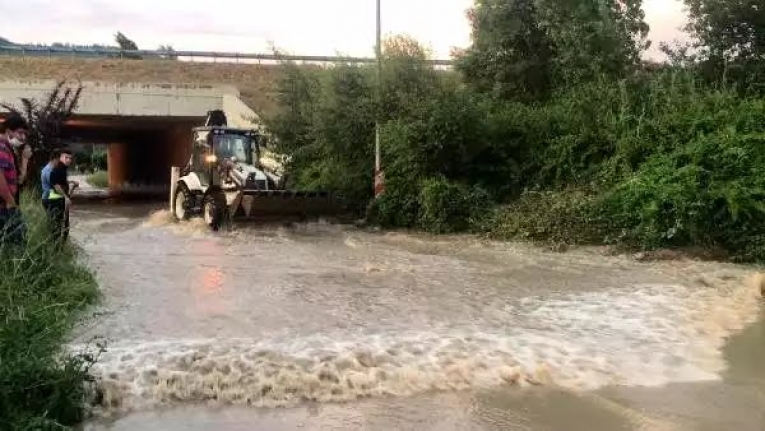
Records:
x=43, y=294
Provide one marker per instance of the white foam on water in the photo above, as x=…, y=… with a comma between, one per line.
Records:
x=194, y=227
x=642, y=335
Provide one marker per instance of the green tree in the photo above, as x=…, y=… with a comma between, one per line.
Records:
x=524, y=49
x=407, y=80
x=511, y=52
x=730, y=38
x=594, y=38
x=729, y=29
x=126, y=44
x=47, y=118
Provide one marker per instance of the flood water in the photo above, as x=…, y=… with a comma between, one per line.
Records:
x=318, y=326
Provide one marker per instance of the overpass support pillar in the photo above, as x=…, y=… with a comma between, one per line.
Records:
x=117, y=163
x=179, y=142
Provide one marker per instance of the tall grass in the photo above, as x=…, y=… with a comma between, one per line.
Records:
x=99, y=179
x=43, y=293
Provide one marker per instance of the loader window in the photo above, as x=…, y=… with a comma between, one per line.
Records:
x=227, y=146
x=200, y=151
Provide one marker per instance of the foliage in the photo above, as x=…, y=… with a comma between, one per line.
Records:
x=87, y=160
x=524, y=49
x=556, y=217
x=511, y=52
x=594, y=38
x=43, y=291
x=47, y=118
x=728, y=29
x=666, y=163
x=450, y=207
x=327, y=128
x=98, y=160
x=99, y=179
x=126, y=44
x=707, y=192
x=729, y=41
x=571, y=144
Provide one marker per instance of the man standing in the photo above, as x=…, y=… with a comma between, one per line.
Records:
x=45, y=174
x=12, y=227
x=14, y=129
x=58, y=196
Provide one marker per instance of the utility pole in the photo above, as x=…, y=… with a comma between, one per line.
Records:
x=378, y=52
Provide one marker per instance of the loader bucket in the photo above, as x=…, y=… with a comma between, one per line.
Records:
x=255, y=204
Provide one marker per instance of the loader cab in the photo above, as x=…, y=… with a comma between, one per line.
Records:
x=212, y=145
x=238, y=147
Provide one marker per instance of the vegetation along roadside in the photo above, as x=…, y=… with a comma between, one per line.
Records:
x=553, y=127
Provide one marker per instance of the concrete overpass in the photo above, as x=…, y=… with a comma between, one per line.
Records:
x=147, y=126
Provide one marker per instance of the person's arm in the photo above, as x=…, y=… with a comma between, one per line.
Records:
x=26, y=154
x=5, y=193
x=57, y=181
x=6, y=164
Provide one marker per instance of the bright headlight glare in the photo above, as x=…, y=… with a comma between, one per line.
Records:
x=211, y=158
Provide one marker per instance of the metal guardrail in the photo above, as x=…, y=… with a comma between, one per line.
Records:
x=50, y=51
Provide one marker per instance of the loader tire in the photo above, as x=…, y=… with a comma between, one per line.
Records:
x=182, y=203
x=214, y=210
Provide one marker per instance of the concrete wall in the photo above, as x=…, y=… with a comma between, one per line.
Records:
x=133, y=99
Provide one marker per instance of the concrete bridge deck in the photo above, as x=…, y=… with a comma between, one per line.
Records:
x=147, y=126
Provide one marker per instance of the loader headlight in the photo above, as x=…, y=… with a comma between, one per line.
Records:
x=211, y=158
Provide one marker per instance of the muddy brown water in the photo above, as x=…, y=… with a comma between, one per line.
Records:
x=320, y=326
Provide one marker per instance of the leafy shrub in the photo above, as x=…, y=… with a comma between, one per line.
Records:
x=447, y=207
x=567, y=216
x=709, y=192
x=656, y=159
x=43, y=291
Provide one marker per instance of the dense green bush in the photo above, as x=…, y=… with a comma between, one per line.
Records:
x=450, y=207
x=566, y=216
x=667, y=163
x=655, y=159
x=43, y=291
x=708, y=192
x=327, y=129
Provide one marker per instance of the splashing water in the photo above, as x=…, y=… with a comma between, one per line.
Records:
x=646, y=335
x=281, y=315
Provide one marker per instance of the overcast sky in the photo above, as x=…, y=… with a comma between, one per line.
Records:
x=311, y=27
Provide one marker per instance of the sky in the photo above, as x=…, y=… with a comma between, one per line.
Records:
x=301, y=27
